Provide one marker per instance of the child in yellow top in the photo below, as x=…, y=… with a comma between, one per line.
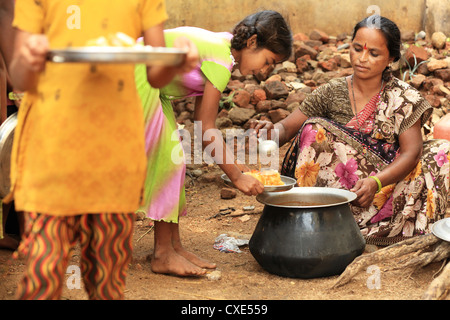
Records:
x=79, y=142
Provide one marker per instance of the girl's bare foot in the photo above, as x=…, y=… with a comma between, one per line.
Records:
x=8, y=242
x=174, y=264
x=200, y=262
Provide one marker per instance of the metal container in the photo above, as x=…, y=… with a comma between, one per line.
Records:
x=306, y=233
x=6, y=140
x=148, y=55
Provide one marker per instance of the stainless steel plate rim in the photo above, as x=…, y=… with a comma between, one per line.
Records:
x=7, y=129
x=441, y=229
x=288, y=184
x=145, y=54
x=350, y=196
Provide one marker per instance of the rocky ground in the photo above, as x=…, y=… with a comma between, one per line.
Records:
x=318, y=58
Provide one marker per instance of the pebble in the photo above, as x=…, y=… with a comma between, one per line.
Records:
x=214, y=275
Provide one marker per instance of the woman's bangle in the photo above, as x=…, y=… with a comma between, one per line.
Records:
x=378, y=182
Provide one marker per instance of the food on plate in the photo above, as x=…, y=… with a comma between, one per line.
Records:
x=118, y=39
x=267, y=177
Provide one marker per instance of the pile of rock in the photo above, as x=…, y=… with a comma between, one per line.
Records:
x=316, y=59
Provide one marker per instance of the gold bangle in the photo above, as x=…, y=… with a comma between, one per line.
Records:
x=378, y=182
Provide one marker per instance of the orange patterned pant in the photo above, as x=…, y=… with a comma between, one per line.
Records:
x=106, y=249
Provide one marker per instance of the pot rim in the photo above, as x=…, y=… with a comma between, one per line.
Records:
x=265, y=197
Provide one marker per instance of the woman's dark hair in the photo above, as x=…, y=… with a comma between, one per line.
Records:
x=389, y=29
x=273, y=33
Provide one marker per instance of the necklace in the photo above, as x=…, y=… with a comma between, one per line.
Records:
x=354, y=100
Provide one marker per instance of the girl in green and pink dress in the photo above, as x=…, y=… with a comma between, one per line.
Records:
x=257, y=42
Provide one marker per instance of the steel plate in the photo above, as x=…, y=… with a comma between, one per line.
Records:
x=146, y=55
x=6, y=140
x=441, y=229
x=289, y=183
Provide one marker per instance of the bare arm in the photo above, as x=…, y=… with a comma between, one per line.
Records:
x=287, y=128
x=206, y=110
x=28, y=59
x=7, y=30
x=410, y=152
x=159, y=76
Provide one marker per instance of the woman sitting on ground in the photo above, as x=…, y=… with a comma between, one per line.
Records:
x=363, y=133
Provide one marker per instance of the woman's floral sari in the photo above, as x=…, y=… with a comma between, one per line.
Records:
x=327, y=153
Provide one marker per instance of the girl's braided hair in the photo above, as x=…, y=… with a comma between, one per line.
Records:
x=273, y=33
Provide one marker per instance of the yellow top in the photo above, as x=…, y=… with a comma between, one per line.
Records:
x=79, y=141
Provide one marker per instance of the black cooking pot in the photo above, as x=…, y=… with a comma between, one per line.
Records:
x=306, y=232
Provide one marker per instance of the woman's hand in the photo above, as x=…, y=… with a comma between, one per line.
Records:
x=365, y=190
x=259, y=126
x=248, y=185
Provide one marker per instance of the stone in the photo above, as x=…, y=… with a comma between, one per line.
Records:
x=433, y=100
x=313, y=44
x=295, y=97
x=278, y=115
x=414, y=51
x=301, y=49
x=444, y=90
x=223, y=122
x=317, y=34
x=241, y=98
x=263, y=106
x=420, y=35
x=408, y=35
x=302, y=63
x=300, y=36
x=438, y=40
x=276, y=90
x=222, y=113
x=257, y=96
x=328, y=65
x=235, y=85
x=277, y=104
x=275, y=77
x=443, y=74
x=211, y=177
x=289, y=66
x=251, y=87
x=228, y=193
x=429, y=83
x=435, y=64
x=345, y=61
x=295, y=85
x=310, y=83
x=423, y=69
x=214, y=275
x=417, y=80
x=240, y=115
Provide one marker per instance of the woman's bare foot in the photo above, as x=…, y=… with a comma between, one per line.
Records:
x=174, y=264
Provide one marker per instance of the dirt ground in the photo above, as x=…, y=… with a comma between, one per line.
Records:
x=238, y=276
